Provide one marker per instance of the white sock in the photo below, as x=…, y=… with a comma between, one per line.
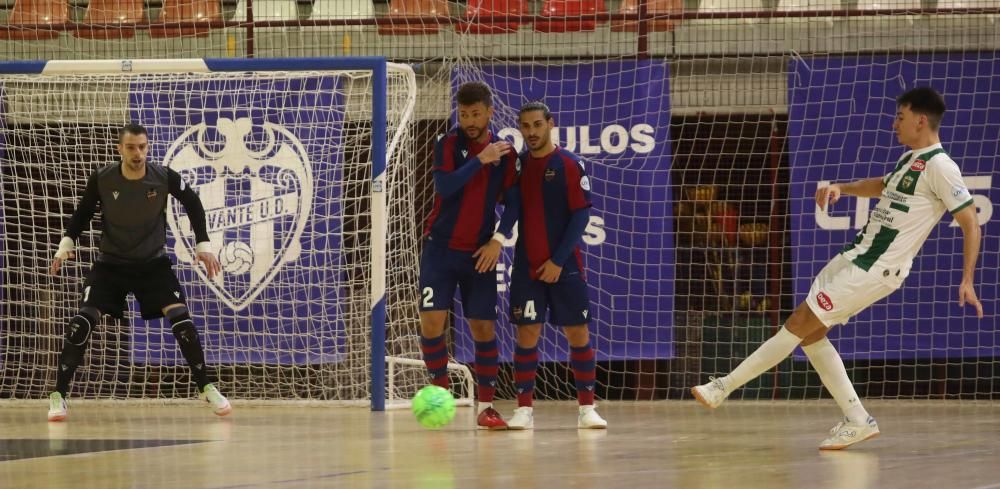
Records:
x=768, y=355
x=484, y=406
x=827, y=362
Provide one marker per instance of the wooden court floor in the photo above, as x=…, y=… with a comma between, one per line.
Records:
x=671, y=444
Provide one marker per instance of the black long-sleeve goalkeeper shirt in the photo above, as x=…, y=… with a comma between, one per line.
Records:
x=134, y=212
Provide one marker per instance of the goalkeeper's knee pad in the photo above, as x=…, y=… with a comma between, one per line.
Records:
x=80, y=326
x=78, y=332
x=182, y=326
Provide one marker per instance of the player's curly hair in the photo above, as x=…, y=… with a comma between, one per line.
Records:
x=533, y=106
x=472, y=92
x=925, y=101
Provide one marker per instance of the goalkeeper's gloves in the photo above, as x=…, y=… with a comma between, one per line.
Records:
x=66, y=247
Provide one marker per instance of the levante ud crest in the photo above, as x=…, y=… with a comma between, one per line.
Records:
x=256, y=184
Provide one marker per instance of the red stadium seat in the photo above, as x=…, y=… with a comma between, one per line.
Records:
x=478, y=12
x=399, y=9
x=653, y=8
x=569, y=8
x=125, y=13
x=28, y=12
x=187, y=11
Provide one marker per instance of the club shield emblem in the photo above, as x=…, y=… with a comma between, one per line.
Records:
x=256, y=185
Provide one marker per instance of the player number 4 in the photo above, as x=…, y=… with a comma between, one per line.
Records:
x=529, y=310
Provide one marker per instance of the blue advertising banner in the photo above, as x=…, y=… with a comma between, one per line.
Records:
x=263, y=156
x=616, y=116
x=841, y=112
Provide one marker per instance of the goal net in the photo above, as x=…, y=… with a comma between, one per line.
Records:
x=706, y=136
x=706, y=126
x=283, y=162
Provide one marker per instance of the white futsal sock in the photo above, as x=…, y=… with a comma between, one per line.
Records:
x=768, y=355
x=830, y=367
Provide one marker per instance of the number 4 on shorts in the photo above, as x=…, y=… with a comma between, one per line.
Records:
x=529, y=310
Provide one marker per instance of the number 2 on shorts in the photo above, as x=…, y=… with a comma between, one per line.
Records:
x=428, y=297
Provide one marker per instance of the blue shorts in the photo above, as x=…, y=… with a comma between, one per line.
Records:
x=443, y=269
x=567, y=301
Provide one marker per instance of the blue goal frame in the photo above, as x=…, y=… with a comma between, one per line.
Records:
x=379, y=69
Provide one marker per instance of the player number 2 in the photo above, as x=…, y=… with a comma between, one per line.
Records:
x=428, y=297
x=529, y=310
x=86, y=293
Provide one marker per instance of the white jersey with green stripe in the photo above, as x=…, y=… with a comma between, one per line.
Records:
x=924, y=183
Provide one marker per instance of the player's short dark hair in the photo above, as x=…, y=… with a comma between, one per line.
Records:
x=131, y=128
x=472, y=92
x=924, y=101
x=533, y=106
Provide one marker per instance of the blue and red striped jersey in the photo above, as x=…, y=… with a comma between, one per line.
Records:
x=552, y=188
x=466, y=219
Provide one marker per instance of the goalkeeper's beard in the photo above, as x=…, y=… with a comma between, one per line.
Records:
x=135, y=165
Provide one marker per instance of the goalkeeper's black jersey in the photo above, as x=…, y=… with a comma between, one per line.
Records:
x=133, y=212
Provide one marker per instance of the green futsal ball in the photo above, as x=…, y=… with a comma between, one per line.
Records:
x=434, y=407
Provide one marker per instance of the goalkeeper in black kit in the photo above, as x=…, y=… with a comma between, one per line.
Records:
x=133, y=199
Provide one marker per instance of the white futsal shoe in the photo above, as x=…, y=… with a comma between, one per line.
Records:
x=57, y=407
x=589, y=419
x=220, y=405
x=523, y=419
x=846, y=434
x=711, y=394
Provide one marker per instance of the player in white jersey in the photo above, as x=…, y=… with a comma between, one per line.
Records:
x=913, y=197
